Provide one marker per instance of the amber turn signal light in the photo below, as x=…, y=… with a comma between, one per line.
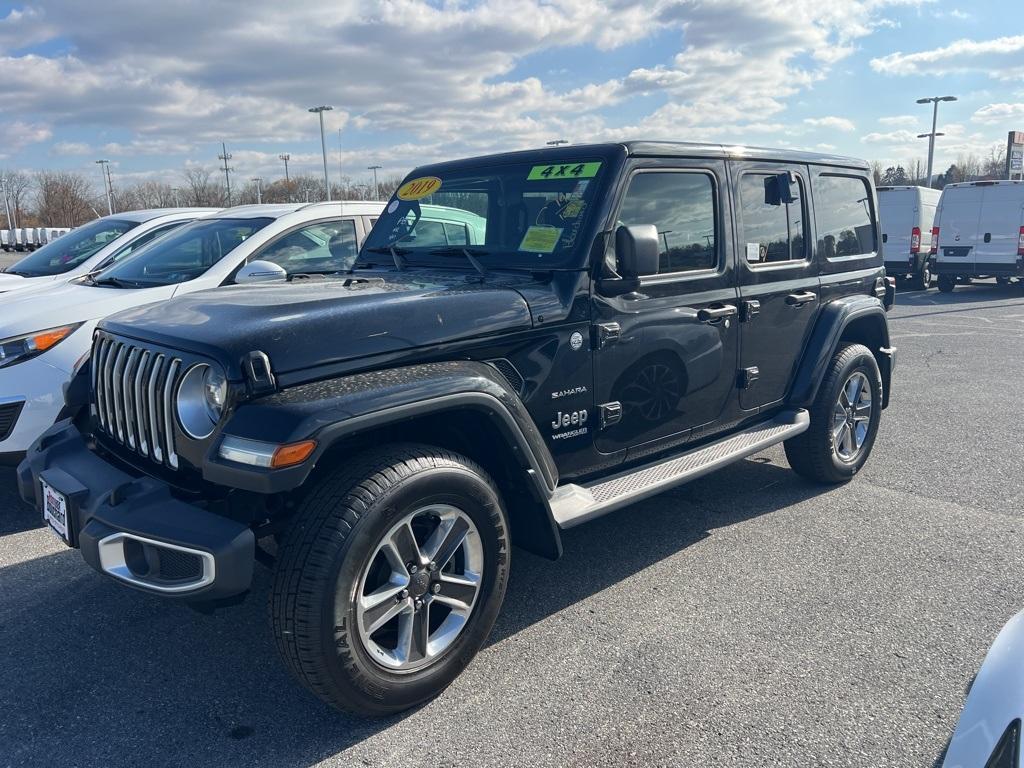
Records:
x=293, y=453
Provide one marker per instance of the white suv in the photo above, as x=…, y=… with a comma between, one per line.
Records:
x=45, y=336
x=93, y=246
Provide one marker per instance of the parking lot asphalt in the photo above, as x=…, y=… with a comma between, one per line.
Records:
x=748, y=618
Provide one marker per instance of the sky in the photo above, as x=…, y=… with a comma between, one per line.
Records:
x=156, y=87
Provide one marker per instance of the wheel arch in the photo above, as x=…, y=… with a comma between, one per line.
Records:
x=853, y=320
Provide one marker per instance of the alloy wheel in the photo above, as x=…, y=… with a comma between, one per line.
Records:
x=851, y=417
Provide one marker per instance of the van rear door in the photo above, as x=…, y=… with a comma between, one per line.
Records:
x=898, y=215
x=958, y=229
x=999, y=229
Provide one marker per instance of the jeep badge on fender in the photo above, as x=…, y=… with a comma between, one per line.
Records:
x=381, y=436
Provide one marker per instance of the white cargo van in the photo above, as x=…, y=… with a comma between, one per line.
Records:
x=979, y=232
x=6, y=241
x=907, y=215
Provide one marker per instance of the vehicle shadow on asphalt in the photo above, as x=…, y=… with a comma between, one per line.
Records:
x=97, y=674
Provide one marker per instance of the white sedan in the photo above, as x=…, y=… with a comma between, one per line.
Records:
x=94, y=246
x=45, y=336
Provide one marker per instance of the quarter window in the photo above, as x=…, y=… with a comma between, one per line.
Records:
x=843, y=212
x=772, y=230
x=327, y=246
x=682, y=207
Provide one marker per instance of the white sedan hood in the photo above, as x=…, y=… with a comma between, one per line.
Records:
x=9, y=282
x=70, y=303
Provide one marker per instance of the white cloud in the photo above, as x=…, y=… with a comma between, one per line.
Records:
x=836, y=123
x=17, y=135
x=71, y=148
x=997, y=114
x=443, y=79
x=1001, y=58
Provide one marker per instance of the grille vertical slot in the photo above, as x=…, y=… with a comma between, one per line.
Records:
x=133, y=397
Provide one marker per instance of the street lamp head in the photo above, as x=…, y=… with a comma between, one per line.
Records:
x=924, y=101
x=947, y=98
x=321, y=109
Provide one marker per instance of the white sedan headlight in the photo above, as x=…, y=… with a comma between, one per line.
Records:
x=18, y=349
x=201, y=396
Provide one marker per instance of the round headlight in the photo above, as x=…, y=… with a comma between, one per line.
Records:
x=201, y=397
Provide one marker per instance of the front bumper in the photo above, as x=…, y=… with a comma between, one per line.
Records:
x=133, y=529
x=38, y=385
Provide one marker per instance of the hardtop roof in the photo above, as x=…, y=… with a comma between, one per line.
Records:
x=656, y=149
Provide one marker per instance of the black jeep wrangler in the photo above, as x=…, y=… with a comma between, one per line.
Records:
x=526, y=341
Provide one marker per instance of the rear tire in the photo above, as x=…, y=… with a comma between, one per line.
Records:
x=411, y=536
x=946, y=283
x=923, y=278
x=844, y=419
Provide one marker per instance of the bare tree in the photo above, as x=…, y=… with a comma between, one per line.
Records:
x=994, y=166
x=876, y=171
x=969, y=167
x=19, y=187
x=146, y=194
x=63, y=199
x=200, y=190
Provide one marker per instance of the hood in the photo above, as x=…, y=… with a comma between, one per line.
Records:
x=36, y=310
x=308, y=324
x=9, y=282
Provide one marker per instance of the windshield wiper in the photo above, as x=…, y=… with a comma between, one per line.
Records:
x=116, y=282
x=469, y=253
x=396, y=253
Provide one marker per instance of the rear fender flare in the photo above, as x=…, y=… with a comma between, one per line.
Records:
x=856, y=318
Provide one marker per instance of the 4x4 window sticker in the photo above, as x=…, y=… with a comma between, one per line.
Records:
x=665, y=277
x=743, y=245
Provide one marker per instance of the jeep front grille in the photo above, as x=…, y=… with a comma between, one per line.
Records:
x=133, y=393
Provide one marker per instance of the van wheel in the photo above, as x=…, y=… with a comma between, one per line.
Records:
x=923, y=278
x=844, y=419
x=946, y=283
x=390, y=578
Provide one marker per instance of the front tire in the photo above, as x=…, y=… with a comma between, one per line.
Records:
x=844, y=419
x=390, y=578
x=946, y=283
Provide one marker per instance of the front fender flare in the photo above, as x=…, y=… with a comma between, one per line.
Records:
x=337, y=409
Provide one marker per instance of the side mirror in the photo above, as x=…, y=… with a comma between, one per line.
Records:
x=260, y=272
x=778, y=189
x=637, y=250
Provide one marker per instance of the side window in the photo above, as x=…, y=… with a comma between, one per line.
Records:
x=457, y=234
x=135, y=245
x=843, y=212
x=426, y=234
x=772, y=230
x=327, y=246
x=682, y=206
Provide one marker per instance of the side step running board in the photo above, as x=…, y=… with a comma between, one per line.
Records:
x=575, y=504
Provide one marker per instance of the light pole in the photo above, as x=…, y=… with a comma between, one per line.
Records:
x=7, y=203
x=374, y=168
x=931, y=136
x=323, y=145
x=227, y=169
x=556, y=142
x=341, y=167
x=286, y=157
x=258, y=180
x=105, y=177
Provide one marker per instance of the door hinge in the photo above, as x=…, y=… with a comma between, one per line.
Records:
x=747, y=377
x=606, y=334
x=609, y=414
x=749, y=309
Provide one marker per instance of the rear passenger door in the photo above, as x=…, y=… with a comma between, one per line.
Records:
x=778, y=277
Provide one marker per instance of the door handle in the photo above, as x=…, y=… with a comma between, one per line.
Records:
x=799, y=299
x=715, y=314
x=988, y=237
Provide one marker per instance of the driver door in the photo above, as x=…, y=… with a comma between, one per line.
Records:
x=667, y=353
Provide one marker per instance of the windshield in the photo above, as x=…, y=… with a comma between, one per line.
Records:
x=521, y=214
x=182, y=255
x=76, y=247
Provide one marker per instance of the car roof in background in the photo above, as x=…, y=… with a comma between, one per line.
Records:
x=276, y=211
x=155, y=213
